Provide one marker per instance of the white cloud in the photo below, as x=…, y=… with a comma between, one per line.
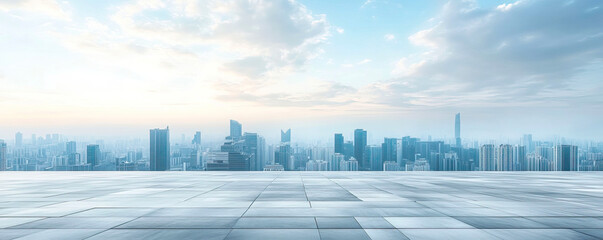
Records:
x=339, y=30
x=50, y=8
x=389, y=37
x=520, y=53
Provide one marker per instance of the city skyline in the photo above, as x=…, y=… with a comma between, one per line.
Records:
x=404, y=64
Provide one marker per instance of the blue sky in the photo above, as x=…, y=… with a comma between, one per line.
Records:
x=392, y=67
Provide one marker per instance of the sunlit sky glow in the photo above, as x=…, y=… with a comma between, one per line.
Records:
x=392, y=67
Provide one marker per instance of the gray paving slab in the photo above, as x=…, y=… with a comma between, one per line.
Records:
x=301, y=205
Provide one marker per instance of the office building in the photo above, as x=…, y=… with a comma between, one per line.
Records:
x=197, y=139
x=360, y=141
x=339, y=143
x=93, y=155
x=18, y=140
x=565, y=157
x=457, y=130
x=160, y=149
x=504, y=158
x=236, y=129
x=2, y=155
x=487, y=156
x=286, y=136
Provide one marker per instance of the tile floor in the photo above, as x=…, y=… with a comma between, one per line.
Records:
x=301, y=205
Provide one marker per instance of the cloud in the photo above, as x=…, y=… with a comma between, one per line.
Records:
x=389, y=37
x=361, y=62
x=520, y=53
x=50, y=8
x=340, y=30
x=367, y=2
x=316, y=94
x=285, y=33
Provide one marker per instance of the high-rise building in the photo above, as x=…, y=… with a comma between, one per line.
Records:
x=93, y=155
x=252, y=150
x=18, y=139
x=197, y=139
x=286, y=136
x=70, y=147
x=360, y=141
x=389, y=149
x=487, y=156
x=519, y=158
x=160, y=149
x=236, y=129
x=527, y=141
x=339, y=143
x=504, y=158
x=2, y=155
x=349, y=165
x=348, y=150
x=283, y=155
x=457, y=130
x=565, y=157
x=374, y=155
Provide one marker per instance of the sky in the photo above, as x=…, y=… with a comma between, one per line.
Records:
x=394, y=68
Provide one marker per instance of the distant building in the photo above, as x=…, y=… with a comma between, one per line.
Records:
x=566, y=157
x=374, y=155
x=93, y=155
x=274, y=167
x=487, y=156
x=360, y=142
x=335, y=161
x=19, y=140
x=286, y=136
x=197, y=139
x=504, y=158
x=236, y=129
x=2, y=155
x=421, y=164
x=283, y=156
x=519, y=158
x=390, y=166
x=217, y=161
x=457, y=130
x=389, y=149
x=349, y=165
x=316, y=165
x=160, y=149
x=339, y=143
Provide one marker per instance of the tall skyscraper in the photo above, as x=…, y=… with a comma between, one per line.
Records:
x=487, y=156
x=197, y=138
x=93, y=155
x=565, y=157
x=360, y=141
x=236, y=129
x=457, y=129
x=18, y=139
x=286, y=136
x=160, y=149
x=2, y=155
x=283, y=155
x=339, y=143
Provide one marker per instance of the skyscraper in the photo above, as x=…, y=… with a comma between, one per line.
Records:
x=197, y=138
x=565, y=157
x=527, y=141
x=286, y=136
x=457, y=129
x=18, y=139
x=236, y=129
x=519, y=158
x=360, y=139
x=70, y=147
x=160, y=149
x=389, y=149
x=339, y=143
x=487, y=156
x=504, y=158
x=93, y=155
x=2, y=155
